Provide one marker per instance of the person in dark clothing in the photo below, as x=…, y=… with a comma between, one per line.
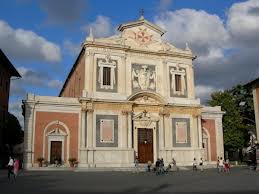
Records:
x=157, y=166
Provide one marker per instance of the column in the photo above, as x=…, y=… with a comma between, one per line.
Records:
x=28, y=135
x=199, y=129
x=83, y=152
x=129, y=130
x=89, y=72
x=219, y=138
x=83, y=115
x=161, y=132
x=90, y=134
x=124, y=129
x=122, y=82
x=89, y=125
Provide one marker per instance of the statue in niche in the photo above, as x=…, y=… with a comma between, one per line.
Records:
x=143, y=78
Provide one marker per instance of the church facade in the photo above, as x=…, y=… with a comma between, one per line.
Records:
x=128, y=95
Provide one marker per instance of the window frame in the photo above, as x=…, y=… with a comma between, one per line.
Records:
x=101, y=131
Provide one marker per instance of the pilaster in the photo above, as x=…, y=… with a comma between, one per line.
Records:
x=89, y=135
x=28, y=134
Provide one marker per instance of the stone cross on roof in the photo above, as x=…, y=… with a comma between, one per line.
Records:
x=141, y=13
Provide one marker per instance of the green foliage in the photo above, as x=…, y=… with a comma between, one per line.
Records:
x=239, y=117
x=14, y=130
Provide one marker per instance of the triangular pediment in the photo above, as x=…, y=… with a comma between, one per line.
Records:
x=139, y=35
x=142, y=23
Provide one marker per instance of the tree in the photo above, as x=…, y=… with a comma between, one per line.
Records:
x=238, y=120
x=14, y=132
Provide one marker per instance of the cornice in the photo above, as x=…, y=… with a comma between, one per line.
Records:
x=128, y=49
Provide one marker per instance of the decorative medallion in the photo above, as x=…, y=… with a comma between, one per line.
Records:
x=142, y=37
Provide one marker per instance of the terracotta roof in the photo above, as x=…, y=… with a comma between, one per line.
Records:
x=71, y=71
x=8, y=65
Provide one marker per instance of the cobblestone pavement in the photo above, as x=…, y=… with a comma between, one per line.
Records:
x=238, y=181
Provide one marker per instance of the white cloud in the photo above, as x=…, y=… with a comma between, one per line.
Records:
x=227, y=49
x=200, y=29
x=55, y=84
x=31, y=77
x=26, y=45
x=63, y=11
x=101, y=27
x=243, y=23
x=164, y=4
x=72, y=48
x=203, y=92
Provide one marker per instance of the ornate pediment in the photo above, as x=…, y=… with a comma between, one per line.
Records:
x=146, y=100
x=145, y=119
x=56, y=132
x=138, y=35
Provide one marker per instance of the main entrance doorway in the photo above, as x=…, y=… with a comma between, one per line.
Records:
x=55, y=151
x=145, y=145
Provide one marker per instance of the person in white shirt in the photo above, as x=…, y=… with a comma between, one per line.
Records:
x=10, y=166
x=221, y=164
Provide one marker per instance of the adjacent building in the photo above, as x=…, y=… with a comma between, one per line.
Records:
x=255, y=89
x=129, y=95
x=7, y=70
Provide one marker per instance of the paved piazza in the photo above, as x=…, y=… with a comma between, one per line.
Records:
x=209, y=181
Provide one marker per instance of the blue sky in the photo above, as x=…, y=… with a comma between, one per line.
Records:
x=42, y=38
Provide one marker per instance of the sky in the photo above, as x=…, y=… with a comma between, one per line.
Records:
x=42, y=38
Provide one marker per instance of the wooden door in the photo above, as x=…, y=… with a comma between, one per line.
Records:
x=145, y=145
x=55, y=151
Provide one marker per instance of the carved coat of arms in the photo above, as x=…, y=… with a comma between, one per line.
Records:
x=143, y=78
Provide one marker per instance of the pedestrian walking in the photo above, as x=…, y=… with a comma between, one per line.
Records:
x=149, y=164
x=227, y=166
x=16, y=167
x=161, y=167
x=221, y=164
x=10, y=167
x=194, y=165
x=218, y=163
x=157, y=167
x=201, y=164
x=136, y=165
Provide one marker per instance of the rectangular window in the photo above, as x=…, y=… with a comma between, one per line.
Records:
x=106, y=76
x=107, y=131
x=181, y=132
x=177, y=83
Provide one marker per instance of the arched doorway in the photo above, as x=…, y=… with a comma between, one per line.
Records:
x=56, y=142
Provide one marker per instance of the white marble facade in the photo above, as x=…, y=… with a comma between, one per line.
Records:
x=134, y=80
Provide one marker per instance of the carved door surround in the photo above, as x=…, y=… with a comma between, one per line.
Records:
x=145, y=121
